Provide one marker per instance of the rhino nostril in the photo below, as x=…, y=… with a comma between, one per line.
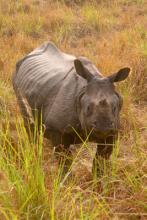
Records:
x=112, y=123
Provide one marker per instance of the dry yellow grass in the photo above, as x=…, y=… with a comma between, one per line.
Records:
x=112, y=34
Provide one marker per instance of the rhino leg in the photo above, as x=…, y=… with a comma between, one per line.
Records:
x=67, y=140
x=59, y=139
x=62, y=143
x=103, y=153
x=105, y=150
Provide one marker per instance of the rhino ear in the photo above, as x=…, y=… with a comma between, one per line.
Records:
x=121, y=75
x=82, y=71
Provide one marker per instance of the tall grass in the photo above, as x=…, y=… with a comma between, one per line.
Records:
x=32, y=190
x=97, y=18
x=23, y=168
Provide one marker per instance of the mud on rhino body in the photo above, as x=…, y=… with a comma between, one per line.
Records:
x=70, y=94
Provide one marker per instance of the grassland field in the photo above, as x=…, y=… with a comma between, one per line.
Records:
x=113, y=34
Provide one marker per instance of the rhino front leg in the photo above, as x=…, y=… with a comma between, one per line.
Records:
x=62, y=143
x=64, y=150
x=103, y=153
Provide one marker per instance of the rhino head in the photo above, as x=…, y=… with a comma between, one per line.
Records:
x=99, y=105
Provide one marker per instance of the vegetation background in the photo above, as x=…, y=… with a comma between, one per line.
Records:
x=113, y=34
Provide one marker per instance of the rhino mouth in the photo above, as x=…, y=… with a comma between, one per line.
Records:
x=96, y=134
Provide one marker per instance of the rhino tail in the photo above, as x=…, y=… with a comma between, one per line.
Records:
x=26, y=112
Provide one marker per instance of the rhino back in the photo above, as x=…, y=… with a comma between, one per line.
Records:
x=47, y=78
x=40, y=71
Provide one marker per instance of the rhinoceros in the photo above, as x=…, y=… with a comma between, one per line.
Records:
x=73, y=98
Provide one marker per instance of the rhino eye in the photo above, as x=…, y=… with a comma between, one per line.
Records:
x=89, y=109
x=120, y=100
x=114, y=109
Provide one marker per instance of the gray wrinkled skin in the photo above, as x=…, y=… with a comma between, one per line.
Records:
x=71, y=93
